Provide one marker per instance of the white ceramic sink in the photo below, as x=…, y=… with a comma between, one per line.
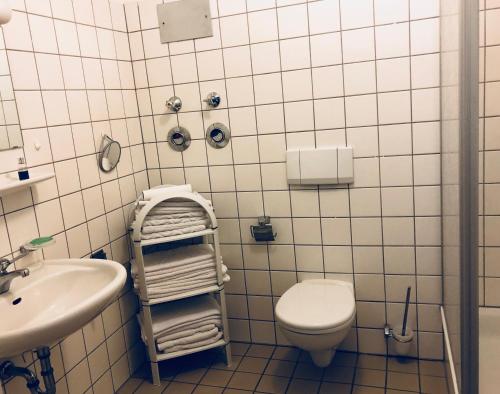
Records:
x=57, y=298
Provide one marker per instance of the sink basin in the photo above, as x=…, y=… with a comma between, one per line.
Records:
x=56, y=299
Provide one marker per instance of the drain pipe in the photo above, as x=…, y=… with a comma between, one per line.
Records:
x=9, y=370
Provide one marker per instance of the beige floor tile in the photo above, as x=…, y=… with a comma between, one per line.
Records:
x=405, y=365
x=308, y=371
x=236, y=391
x=367, y=390
x=272, y=384
x=345, y=359
x=264, y=351
x=253, y=364
x=369, y=361
x=280, y=368
x=302, y=386
x=286, y=353
x=334, y=388
x=207, y=390
x=244, y=381
x=147, y=387
x=433, y=385
x=218, y=364
x=402, y=381
x=339, y=374
x=190, y=376
x=239, y=349
x=370, y=377
x=216, y=377
x=179, y=388
x=130, y=386
x=433, y=368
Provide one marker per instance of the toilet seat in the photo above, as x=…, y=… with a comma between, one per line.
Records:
x=316, y=306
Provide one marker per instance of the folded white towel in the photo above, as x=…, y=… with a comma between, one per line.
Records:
x=175, y=270
x=186, y=285
x=171, y=227
x=159, y=191
x=173, y=233
x=165, y=219
x=183, y=328
x=194, y=345
x=167, y=278
x=169, y=316
x=178, y=257
x=186, y=333
x=189, y=340
x=181, y=280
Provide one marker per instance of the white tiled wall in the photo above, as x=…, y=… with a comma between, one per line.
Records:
x=295, y=73
x=73, y=81
x=489, y=179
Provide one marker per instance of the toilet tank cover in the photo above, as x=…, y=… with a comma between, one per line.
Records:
x=316, y=305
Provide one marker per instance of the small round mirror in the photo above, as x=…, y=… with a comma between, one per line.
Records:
x=109, y=156
x=218, y=135
x=179, y=139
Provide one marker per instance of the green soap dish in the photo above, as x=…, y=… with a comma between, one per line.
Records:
x=39, y=243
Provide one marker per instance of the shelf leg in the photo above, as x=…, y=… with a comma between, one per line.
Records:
x=155, y=373
x=229, y=358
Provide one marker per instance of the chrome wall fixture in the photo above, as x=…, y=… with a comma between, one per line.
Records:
x=213, y=99
x=218, y=135
x=174, y=103
x=179, y=138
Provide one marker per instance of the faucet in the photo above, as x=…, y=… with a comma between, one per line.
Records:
x=6, y=278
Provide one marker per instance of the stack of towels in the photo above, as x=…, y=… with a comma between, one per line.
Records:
x=177, y=271
x=172, y=217
x=186, y=324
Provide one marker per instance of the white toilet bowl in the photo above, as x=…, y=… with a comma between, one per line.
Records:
x=316, y=315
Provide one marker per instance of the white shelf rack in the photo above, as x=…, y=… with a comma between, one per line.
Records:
x=211, y=236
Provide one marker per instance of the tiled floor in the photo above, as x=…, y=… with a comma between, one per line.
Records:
x=270, y=369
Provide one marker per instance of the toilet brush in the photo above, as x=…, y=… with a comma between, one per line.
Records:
x=405, y=317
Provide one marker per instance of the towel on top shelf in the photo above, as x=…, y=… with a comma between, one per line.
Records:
x=172, y=272
x=186, y=324
x=174, y=217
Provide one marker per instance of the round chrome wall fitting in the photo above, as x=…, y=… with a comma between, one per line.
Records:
x=179, y=139
x=218, y=135
x=174, y=103
x=213, y=99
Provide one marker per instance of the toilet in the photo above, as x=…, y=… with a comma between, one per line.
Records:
x=315, y=315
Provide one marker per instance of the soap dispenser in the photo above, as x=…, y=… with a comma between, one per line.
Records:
x=22, y=170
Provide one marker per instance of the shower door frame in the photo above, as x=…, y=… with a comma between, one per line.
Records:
x=469, y=190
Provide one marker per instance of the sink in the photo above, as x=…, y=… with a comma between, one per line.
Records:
x=56, y=299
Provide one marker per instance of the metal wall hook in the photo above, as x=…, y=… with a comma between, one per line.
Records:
x=213, y=99
x=174, y=103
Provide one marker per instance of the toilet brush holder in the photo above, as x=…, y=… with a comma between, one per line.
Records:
x=402, y=343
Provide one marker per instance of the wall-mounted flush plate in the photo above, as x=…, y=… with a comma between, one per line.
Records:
x=184, y=20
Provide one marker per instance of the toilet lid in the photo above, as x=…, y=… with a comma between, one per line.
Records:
x=316, y=305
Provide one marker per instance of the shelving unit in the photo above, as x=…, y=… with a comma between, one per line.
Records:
x=210, y=236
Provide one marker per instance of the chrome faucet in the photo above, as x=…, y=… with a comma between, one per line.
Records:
x=6, y=278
